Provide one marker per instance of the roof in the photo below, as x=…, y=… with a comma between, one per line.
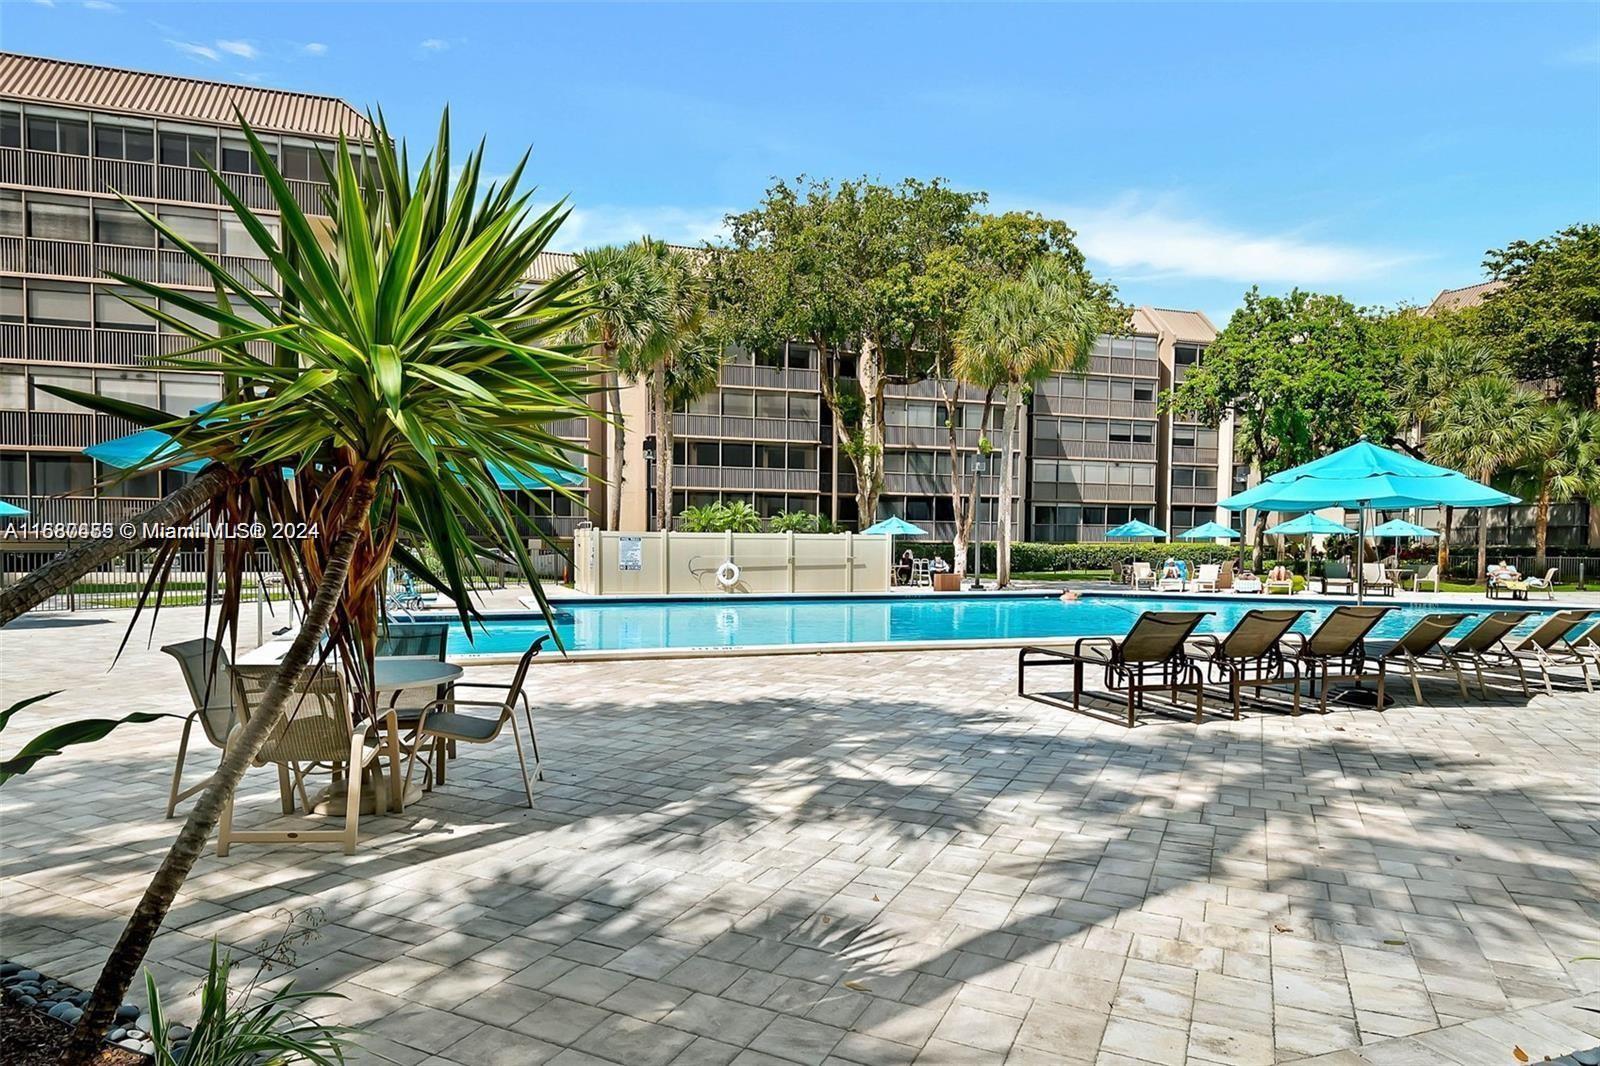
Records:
x=1182, y=325
x=66, y=83
x=1466, y=296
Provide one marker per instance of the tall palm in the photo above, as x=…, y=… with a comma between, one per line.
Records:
x=1484, y=427
x=1562, y=461
x=695, y=371
x=410, y=357
x=631, y=305
x=1015, y=334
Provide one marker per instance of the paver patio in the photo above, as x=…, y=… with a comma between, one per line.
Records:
x=872, y=859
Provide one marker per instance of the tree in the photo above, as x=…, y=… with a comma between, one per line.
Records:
x=411, y=358
x=1485, y=427
x=632, y=305
x=1304, y=374
x=1545, y=319
x=1015, y=333
x=1562, y=462
x=835, y=266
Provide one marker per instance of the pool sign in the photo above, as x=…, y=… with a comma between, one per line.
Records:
x=630, y=553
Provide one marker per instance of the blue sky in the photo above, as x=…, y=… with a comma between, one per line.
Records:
x=1366, y=149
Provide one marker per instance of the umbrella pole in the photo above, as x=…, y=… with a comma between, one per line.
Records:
x=1361, y=555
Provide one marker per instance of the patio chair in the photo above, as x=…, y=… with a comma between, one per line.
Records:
x=1283, y=584
x=205, y=670
x=1336, y=651
x=1226, y=575
x=1337, y=573
x=1251, y=654
x=1375, y=579
x=318, y=726
x=1152, y=651
x=417, y=640
x=441, y=722
x=1484, y=646
x=1430, y=578
x=1141, y=576
x=1205, y=579
x=1547, y=647
x=1417, y=652
x=921, y=572
x=1546, y=584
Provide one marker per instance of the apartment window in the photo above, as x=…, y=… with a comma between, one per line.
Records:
x=112, y=312
x=199, y=228
x=1183, y=436
x=66, y=379
x=1144, y=347
x=146, y=485
x=1097, y=389
x=1122, y=390
x=134, y=386
x=10, y=213
x=803, y=408
x=58, y=218
x=1186, y=355
x=709, y=404
x=237, y=157
x=706, y=453
x=802, y=458
x=62, y=476
x=58, y=131
x=181, y=147
x=13, y=390
x=769, y=505
x=772, y=358
x=1122, y=347
x=183, y=314
x=183, y=393
x=922, y=415
x=57, y=303
x=770, y=457
x=10, y=299
x=1143, y=391
x=740, y=455
x=10, y=127
x=799, y=358
x=736, y=355
x=121, y=224
x=13, y=475
x=236, y=240
x=1143, y=433
x=739, y=404
x=133, y=142
x=771, y=405
x=302, y=160
x=919, y=462
x=1121, y=432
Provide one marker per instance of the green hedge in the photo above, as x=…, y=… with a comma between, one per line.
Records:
x=1028, y=557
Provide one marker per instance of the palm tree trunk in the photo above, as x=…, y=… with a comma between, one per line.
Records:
x=1541, y=526
x=1008, y=432
x=619, y=440
x=664, y=435
x=123, y=963
x=59, y=573
x=1444, y=542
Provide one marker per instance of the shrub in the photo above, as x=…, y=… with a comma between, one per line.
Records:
x=735, y=515
x=1028, y=557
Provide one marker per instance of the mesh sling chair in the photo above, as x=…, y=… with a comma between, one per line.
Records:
x=318, y=726
x=417, y=640
x=440, y=722
x=1336, y=650
x=1484, y=646
x=1252, y=654
x=205, y=670
x=1418, y=652
x=1153, y=651
x=1547, y=647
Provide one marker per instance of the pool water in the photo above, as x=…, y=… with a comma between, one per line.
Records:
x=624, y=625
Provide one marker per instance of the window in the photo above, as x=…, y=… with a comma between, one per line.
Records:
x=67, y=379
x=802, y=458
x=10, y=126
x=62, y=476
x=13, y=390
x=237, y=157
x=134, y=386
x=56, y=303
x=770, y=456
x=236, y=240
x=10, y=299
x=706, y=454
x=803, y=408
x=183, y=314
x=199, y=228
x=771, y=405
x=58, y=218
x=120, y=224
x=769, y=505
x=1098, y=389
x=13, y=475
x=183, y=393
x=114, y=139
x=146, y=485
x=302, y=160
x=1143, y=391
x=1143, y=433
x=180, y=147
x=1186, y=355
x=922, y=415
x=10, y=213
x=1121, y=432
x=58, y=131
x=709, y=404
x=919, y=509
x=741, y=455
x=799, y=358
x=739, y=404
x=772, y=358
x=1183, y=436
x=1144, y=347
x=919, y=462
x=111, y=312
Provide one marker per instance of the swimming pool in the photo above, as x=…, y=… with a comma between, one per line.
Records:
x=697, y=625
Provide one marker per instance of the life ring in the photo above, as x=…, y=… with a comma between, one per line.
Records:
x=728, y=574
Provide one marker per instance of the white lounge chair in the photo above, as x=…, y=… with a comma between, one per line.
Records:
x=1375, y=579
x=1205, y=579
x=1546, y=584
x=1141, y=576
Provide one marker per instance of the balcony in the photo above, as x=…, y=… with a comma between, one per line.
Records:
x=12, y=256
x=60, y=429
x=743, y=375
x=80, y=259
x=739, y=428
x=1102, y=449
x=928, y=437
x=77, y=511
x=1194, y=456
x=1186, y=495
x=192, y=185
x=1083, y=407
x=758, y=479
x=98, y=347
x=1072, y=492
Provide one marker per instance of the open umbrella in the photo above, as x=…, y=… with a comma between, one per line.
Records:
x=10, y=510
x=1131, y=530
x=1366, y=476
x=1209, y=531
x=1399, y=529
x=1308, y=525
x=892, y=527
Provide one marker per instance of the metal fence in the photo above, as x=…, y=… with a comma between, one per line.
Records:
x=1570, y=569
x=120, y=583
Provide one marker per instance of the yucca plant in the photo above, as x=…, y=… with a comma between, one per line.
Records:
x=410, y=357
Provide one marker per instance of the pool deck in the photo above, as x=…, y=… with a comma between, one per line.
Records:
x=853, y=860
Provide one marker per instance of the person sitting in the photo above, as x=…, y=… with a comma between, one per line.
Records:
x=938, y=565
x=902, y=572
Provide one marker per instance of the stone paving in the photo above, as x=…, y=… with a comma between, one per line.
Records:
x=865, y=859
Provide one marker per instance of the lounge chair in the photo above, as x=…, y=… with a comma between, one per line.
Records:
x=1284, y=584
x=1336, y=650
x=1417, y=652
x=1375, y=579
x=1205, y=579
x=206, y=671
x=1484, y=646
x=1336, y=573
x=1249, y=584
x=1251, y=654
x=1141, y=576
x=1151, y=655
x=1547, y=647
x=1546, y=584
x=1175, y=582
x=318, y=726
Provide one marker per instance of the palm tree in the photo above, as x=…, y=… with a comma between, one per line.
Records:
x=1016, y=333
x=411, y=357
x=1485, y=427
x=1563, y=462
x=631, y=305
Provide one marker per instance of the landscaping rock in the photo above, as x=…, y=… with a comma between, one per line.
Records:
x=127, y=1013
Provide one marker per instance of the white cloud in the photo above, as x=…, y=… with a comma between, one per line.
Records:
x=313, y=48
x=1581, y=55
x=590, y=227
x=100, y=5
x=435, y=44
x=242, y=49
x=1158, y=237
x=195, y=51
x=45, y=3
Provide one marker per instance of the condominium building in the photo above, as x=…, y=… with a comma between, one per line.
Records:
x=72, y=136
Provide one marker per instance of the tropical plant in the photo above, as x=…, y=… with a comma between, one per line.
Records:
x=1014, y=335
x=1486, y=427
x=67, y=734
x=732, y=516
x=410, y=360
x=632, y=306
x=799, y=522
x=1562, y=462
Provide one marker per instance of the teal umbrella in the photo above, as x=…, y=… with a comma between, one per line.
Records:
x=9, y=510
x=549, y=477
x=1209, y=531
x=1306, y=526
x=894, y=526
x=1399, y=527
x=1130, y=530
